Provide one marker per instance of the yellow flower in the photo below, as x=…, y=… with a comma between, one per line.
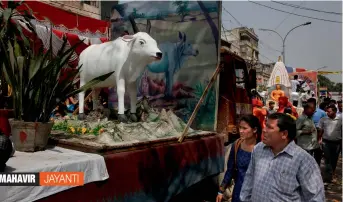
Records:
x=84, y=130
x=72, y=129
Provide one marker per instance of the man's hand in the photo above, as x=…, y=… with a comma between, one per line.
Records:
x=219, y=198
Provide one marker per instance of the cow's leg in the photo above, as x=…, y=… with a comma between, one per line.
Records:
x=81, y=115
x=95, y=98
x=121, y=95
x=133, y=100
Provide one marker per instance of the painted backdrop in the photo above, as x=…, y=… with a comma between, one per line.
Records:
x=187, y=34
x=310, y=77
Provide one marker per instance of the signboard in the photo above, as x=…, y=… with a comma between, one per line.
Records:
x=187, y=34
x=310, y=77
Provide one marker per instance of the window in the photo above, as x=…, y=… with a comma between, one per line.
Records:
x=239, y=77
x=92, y=3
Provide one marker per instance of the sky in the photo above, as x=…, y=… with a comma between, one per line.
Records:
x=310, y=47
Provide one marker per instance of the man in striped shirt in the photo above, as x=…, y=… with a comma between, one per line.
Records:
x=280, y=170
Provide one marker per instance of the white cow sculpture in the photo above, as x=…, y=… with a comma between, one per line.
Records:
x=127, y=56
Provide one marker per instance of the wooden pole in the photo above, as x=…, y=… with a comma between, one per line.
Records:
x=88, y=96
x=197, y=107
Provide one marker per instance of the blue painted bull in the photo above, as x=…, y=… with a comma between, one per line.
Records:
x=174, y=56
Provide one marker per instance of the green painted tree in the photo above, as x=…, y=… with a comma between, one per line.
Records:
x=182, y=9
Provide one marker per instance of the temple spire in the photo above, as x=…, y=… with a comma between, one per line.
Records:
x=279, y=59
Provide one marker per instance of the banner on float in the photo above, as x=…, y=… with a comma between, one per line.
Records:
x=311, y=78
x=187, y=34
x=42, y=179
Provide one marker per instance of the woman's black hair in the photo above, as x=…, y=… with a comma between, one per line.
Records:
x=253, y=122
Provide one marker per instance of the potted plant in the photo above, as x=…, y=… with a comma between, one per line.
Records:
x=35, y=79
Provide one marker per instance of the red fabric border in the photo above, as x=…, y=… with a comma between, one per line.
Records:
x=146, y=170
x=61, y=17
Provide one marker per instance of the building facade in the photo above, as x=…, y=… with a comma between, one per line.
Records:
x=263, y=72
x=244, y=42
x=90, y=9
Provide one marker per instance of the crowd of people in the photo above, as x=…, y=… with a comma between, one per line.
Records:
x=285, y=164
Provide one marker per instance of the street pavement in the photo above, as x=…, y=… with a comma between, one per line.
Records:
x=333, y=192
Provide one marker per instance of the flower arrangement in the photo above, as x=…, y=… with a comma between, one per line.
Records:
x=78, y=130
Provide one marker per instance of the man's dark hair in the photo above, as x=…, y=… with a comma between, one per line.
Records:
x=327, y=99
x=285, y=122
x=333, y=101
x=323, y=105
x=312, y=100
x=308, y=105
x=295, y=77
x=339, y=102
x=333, y=107
x=271, y=102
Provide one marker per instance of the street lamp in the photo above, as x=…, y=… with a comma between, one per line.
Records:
x=284, y=39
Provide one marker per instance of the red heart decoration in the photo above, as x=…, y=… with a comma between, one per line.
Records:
x=23, y=136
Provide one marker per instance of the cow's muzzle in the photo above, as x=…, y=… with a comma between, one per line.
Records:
x=158, y=55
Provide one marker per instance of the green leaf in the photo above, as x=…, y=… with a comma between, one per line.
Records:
x=26, y=41
x=7, y=13
x=35, y=65
x=17, y=50
x=91, y=83
x=13, y=4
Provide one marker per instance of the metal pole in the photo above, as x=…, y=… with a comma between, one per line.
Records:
x=283, y=52
x=284, y=39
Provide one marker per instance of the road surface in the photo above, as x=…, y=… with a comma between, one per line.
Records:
x=334, y=191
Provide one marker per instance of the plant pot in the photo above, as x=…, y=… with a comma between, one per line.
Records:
x=5, y=127
x=30, y=136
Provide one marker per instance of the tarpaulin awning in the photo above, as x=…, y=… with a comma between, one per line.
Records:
x=297, y=69
x=64, y=20
x=73, y=27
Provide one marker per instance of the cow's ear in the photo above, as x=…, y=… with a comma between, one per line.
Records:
x=180, y=35
x=127, y=38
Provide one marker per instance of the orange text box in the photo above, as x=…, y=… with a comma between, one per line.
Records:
x=61, y=178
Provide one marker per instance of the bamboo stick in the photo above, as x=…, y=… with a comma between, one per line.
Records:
x=88, y=96
x=197, y=107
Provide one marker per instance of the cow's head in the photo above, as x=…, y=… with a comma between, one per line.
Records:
x=143, y=47
x=187, y=48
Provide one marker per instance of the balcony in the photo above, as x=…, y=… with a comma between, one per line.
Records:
x=245, y=43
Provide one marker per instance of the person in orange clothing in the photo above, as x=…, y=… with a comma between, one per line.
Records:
x=259, y=112
x=284, y=103
x=277, y=93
